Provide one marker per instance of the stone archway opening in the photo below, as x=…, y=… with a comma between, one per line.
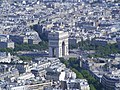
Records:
x=54, y=52
x=63, y=48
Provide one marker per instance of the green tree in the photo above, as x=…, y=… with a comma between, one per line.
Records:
x=92, y=87
x=25, y=58
x=78, y=74
x=29, y=47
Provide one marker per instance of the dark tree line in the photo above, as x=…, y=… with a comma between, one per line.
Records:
x=81, y=73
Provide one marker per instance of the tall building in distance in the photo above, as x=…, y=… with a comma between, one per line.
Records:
x=58, y=44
